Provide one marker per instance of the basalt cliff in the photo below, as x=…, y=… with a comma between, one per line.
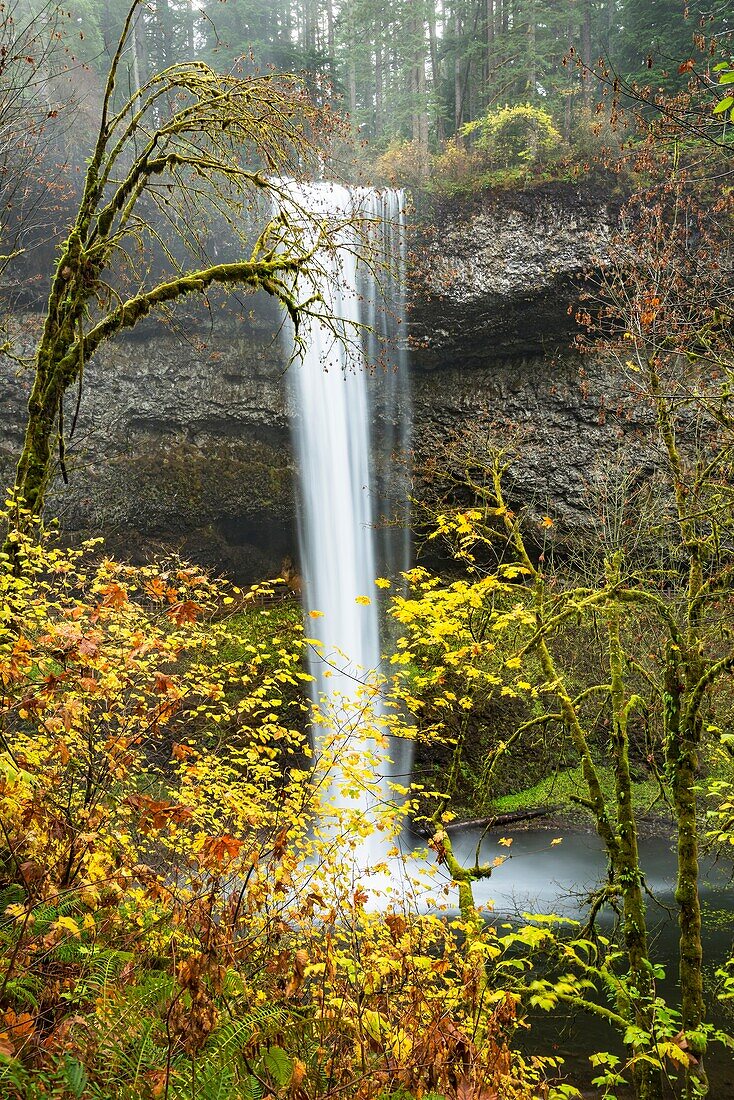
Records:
x=182, y=439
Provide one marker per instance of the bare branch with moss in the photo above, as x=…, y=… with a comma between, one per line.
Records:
x=195, y=145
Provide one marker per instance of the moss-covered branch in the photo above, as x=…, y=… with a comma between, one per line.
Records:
x=554, y=678
x=265, y=275
x=464, y=877
x=226, y=142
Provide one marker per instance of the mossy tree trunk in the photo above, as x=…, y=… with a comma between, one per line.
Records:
x=220, y=152
x=640, y=993
x=679, y=693
x=614, y=819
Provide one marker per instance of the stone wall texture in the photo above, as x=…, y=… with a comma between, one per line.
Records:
x=183, y=437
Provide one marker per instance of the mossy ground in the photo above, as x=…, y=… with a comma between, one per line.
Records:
x=560, y=788
x=252, y=627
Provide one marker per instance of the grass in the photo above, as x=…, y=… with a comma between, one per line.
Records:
x=559, y=788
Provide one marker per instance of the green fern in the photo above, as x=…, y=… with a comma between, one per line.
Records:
x=70, y=952
x=210, y=1082
x=75, y=1076
x=278, y=1065
x=102, y=971
x=310, y=1051
x=220, y=1074
x=236, y=1032
x=25, y=990
x=13, y=894
x=128, y=1052
x=250, y=1089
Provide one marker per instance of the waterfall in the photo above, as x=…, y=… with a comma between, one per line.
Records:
x=350, y=417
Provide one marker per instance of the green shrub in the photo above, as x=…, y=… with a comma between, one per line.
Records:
x=511, y=136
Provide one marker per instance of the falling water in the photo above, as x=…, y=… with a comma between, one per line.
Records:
x=351, y=423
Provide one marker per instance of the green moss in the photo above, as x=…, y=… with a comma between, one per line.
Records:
x=261, y=624
x=250, y=475
x=559, y=789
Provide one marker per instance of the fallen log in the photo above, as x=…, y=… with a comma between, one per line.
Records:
x=500, y=820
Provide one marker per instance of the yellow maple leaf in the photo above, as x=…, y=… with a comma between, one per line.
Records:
x=66, y=924
x=16, y=911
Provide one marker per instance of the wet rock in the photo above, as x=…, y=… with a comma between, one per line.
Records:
x=183, y=437
x=496, y=274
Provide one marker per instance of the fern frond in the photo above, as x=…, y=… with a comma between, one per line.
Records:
x=25, y=990
x=237, y=1031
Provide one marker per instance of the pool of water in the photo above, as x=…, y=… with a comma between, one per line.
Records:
x=538, y=876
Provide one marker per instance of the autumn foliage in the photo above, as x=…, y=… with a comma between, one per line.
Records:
x=171, y=924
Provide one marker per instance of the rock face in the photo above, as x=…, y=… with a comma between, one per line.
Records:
x=183, y=438
x=567, y=420
x=181, y=443
x=495, y=273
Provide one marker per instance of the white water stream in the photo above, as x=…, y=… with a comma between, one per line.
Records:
x=351, y=425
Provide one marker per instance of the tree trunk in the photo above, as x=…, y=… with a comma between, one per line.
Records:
x=351, y=64
x=190, y=25
x=532, y=63
x=628, y=873
x=490, y=51
x=137, y=44
x=420, y=109
x=435, y=73
x=56, y=370
x=379, y=110
x=569, y=83
x=330, y=36
x=682, y=760
x=683, y=671
x=457, y=73
x=164, y=34
x=586, y=53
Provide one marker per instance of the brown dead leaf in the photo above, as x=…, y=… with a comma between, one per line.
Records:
x=215, y=849
x=280, y=843
x=20, y=1026
x=397, y=925
x=300, y=962
x=298, y=1076
x=182, y=752
x=185, y=612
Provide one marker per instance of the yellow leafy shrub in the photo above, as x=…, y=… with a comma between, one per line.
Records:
x=176, y=920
